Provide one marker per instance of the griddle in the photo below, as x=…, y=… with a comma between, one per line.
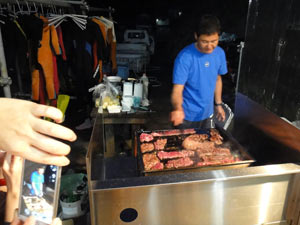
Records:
x=174, y=143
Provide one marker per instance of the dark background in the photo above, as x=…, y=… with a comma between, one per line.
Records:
x=179, y=32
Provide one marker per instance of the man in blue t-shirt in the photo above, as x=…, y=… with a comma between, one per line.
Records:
x=37, y=182
x=197, y=82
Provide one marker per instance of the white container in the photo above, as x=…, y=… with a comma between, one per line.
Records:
x=127, y=88
x=138, y=90
x=72, y=209
x=114, y=108
x=127, y=102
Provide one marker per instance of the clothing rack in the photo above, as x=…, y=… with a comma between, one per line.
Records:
x=46, y=2
x=68, y=4
x=5, y=80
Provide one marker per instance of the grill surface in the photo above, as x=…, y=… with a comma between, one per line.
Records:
x=174, y=143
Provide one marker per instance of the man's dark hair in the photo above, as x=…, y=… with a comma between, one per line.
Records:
x=208, y=24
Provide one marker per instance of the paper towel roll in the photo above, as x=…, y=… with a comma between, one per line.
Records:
x=127, y=89
x=138, y=90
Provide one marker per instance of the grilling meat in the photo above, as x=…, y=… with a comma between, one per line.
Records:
x=173, y=132
x=151, y=162
x=146, y=137
x=215, y=156
x=215, y=136
x=160, y=143
x=194, y=141
x=147, y=147
x=174, y=154
x=162, y=149
x=177, y=163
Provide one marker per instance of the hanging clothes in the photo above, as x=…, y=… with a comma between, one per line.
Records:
x=58, y=59
x=33, y=28
x=49, y=47
x=15, y=44
x=99, y=61
x=79, y=60
x=112, y=41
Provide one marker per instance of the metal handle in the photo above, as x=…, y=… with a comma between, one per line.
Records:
x=278, y=49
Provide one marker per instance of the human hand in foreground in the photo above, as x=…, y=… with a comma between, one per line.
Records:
x=31, y=221
x=177, y=117
x=220, y=113
x=25, y=133
x=12, y=172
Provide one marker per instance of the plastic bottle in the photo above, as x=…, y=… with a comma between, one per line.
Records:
x=145, y=81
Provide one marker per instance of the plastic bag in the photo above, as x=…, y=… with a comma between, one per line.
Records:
x=106, y=93
x=109, y=97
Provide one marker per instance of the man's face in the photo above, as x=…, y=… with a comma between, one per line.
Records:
x=207, y=43
x=41, y=171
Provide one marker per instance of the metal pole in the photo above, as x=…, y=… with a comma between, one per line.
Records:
x=241, y=47
x=3, y=70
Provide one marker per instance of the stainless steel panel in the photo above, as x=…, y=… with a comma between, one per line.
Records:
x=267, y=193
x=251, y=201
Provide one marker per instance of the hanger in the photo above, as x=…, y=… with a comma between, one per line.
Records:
x=56, y=20
x=2, y=14
x=28, y=8
x=21, y=11
x=11, y=11
x=42, y=9
x=104, y=19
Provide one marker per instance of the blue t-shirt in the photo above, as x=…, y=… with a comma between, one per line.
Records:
x=198, y=73
x=37, y=179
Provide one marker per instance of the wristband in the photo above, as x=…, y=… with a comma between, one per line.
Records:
x=217, y=104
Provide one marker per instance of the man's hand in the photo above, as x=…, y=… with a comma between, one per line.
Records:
x=25, y=133
x=12, y=172
x=177, y=117
x=220, y=113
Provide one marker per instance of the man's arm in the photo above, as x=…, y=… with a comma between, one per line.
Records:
x=218, y=99
x=33, y=184
x=218, y=90
x=177, y=115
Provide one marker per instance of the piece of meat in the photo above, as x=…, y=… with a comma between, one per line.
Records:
x=179, y=163
x=215, y=156
x=157, y=134
x=158, y=166
x=169, y=155
x=216, y=160
x=222, y=151
x=219, y=159
x=188, y=131
x=204, y=152
x=147, y=147
x=144, y=137
x=213, y=151
x=150, y=161
x=159, y=144
x=173, y=132
x=206, y=145
x=215, y=136
x=186, y=153
x=174, y=154
x=195, y=141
